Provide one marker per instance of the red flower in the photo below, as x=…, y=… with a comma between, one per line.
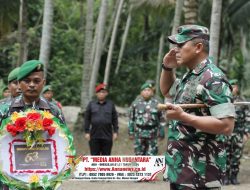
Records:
x=34, y=116
x=47, y=123
x=12, y=130
x=20, y=124
x=51, y=131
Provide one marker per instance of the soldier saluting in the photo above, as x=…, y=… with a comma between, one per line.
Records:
x=195, y=156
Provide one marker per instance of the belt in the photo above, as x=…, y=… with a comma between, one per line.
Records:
x=145, y=127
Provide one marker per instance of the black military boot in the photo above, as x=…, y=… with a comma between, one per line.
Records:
x=234, y=180
x=226, y=180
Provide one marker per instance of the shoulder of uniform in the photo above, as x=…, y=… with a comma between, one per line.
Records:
x=213, y=73
x=53, y=106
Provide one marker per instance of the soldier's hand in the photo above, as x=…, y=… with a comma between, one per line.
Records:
x=87, y=136
x=115, y=135
x=169, y=59
x=131, y=137
x=174, y=112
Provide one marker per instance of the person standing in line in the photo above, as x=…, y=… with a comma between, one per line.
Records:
x=5, y=92
x=48, y=93
x=195, y=157
x=101, y=123
x=13, y=86
x=235, y=142
x=146, y=123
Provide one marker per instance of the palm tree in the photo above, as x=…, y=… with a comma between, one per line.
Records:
x=190, y=11
x=23, y=41
x=98, y=49
x=112, y=43
x=111, y=24
x=46, y=33
x=177, y=17
x=215, y=29
x=124, y=39
x=87, y=66
x=159, y=60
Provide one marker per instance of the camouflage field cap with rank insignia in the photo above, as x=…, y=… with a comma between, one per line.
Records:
x=188, y=32
x=29, y=67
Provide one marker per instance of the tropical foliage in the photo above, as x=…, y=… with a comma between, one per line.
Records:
x=150, y=19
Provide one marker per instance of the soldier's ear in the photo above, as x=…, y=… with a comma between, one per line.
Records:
x=199, y=48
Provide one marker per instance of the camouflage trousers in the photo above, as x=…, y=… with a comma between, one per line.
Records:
x=145, y=146
x=234, y=149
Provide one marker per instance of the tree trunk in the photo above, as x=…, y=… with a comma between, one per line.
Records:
x=177, y=17
x=159, y=61
x=146, y=30
x=215, y=30
x=112, y=21
x=112, y=43
x=124, y=39
x=46, y=34
x=87, y=66
x=191, y=11
x=99, y=45
x=22, y=35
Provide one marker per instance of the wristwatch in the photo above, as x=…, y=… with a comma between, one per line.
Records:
x=166, y=68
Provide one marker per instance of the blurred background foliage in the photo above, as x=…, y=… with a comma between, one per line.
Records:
x=139, y=62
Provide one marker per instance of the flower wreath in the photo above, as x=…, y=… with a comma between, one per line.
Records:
x=36, y=126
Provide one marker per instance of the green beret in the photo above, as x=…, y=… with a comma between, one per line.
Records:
x=29, y=67
x=46, y=88
x=13, y=74
x=146, y=85
x=233, y=81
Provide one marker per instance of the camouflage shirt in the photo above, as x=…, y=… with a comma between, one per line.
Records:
x=145, y=120
x=17, y=104
x=194, y=158
x=241, y=124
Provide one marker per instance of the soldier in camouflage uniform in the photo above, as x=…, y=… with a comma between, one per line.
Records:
x=31, y=80
x=146, y=123
x=5, y=92
x=48, y=94
x=195, y=157
x=12, y=86
x=234, y=143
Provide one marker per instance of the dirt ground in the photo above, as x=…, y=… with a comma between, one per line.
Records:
x=124, y=146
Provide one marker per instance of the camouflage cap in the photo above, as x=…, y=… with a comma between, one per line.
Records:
x=146, y=85
x=13, y=74
x=47, y=88
x=188, y=32
x=233, y=81
x=29, y=67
